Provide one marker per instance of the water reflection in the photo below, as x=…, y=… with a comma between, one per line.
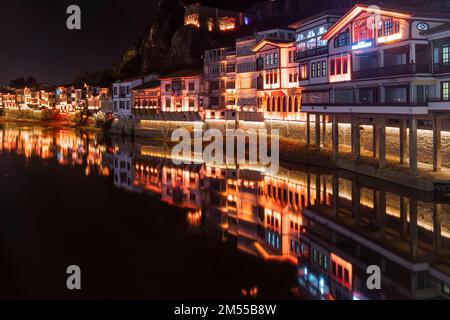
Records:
x=330, y=225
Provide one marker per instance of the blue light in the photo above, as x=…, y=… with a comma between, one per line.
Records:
x=246, y=21
x=362, y=45
x=355, y=298
x=321, y=282
x=305, y=271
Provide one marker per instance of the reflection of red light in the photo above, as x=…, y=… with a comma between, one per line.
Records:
x=346, y=266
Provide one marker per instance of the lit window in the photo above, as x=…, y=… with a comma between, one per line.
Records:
x=445, y=54
x=445, y=85
x=324, y=68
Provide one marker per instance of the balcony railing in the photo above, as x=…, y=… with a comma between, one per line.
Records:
x=402, y=69
x=311, y=53
x=441, y=67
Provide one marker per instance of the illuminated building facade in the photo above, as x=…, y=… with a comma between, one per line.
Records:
x=213, y=19
x=375, y=67
x=183, y=91
x=220, y=83
x=146, y=99
x=122, y=99
x=247, y=73
x=277, y=80
x=7, y=99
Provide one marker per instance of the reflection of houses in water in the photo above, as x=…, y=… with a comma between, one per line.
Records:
x=298, y=217
x=401, y=232
x=228, y=202
x=66, y=146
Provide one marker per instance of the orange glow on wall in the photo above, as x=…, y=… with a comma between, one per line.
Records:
x=192, y=20
x=227, y=23
x=390, y=38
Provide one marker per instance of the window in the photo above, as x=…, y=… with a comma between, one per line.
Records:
x=314, y=97
x=167, y=87
x=339, y=66
x=313, y=70
x=343, y=39
x=303, y=71
x=324, y=68
x=445, y=54
x=396, y=94
x=191, y=86
x=319, y=69
x=214, y=69
x=343, y=95
x=445, y=85
x=362, y=31
x=387, y=27
x=291, y=56
x=231, y=68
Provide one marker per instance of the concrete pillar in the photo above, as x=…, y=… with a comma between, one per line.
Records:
x=317, y=132
x=356, y=201
x=382, y=143
x=413, y=146
x=335, y=196
x=437, y=144
x=404, y=218
x=437, y=216
x=356, y=139
x=308, y=130
x=413, y=226
x=403, y=142
x=335, y=137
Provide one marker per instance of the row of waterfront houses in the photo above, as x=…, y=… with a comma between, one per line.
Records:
x=373, y=69
x=370, y=60
x=66, y=98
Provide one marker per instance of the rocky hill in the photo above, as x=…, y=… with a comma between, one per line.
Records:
x=168, y=45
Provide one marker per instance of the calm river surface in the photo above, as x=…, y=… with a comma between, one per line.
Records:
x=141, y=227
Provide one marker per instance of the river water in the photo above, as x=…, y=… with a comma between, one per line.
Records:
x=141, y=227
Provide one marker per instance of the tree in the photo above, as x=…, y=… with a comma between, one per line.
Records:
x=17, y=83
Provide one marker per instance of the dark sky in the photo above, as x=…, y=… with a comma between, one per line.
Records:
x=36, y=42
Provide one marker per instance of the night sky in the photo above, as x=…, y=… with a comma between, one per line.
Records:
x=36, y=42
